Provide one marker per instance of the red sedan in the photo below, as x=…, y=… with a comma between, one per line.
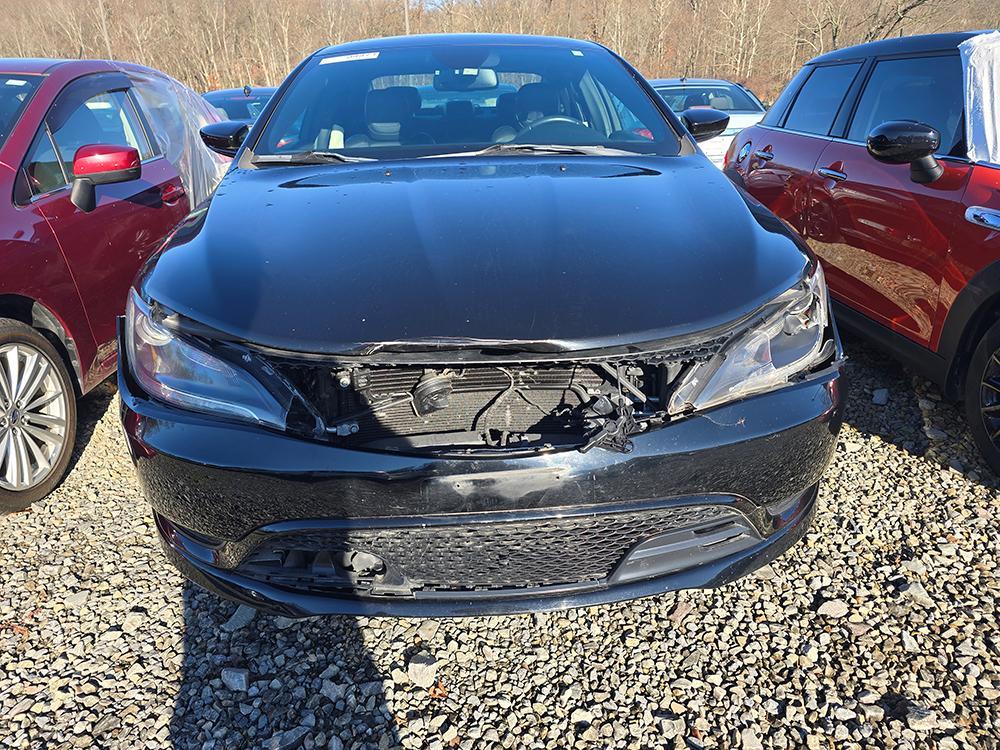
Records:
x=97, y=166
x=874, y=154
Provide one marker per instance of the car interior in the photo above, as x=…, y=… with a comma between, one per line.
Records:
x=460, y=106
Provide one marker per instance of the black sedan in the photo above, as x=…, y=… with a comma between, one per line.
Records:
x=520, y=350
x=240, y=104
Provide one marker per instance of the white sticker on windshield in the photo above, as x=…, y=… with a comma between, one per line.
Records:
x=577, y=52
x=15, y=82
x=349, y=58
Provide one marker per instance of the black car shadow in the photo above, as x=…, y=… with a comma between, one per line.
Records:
x=306, y=682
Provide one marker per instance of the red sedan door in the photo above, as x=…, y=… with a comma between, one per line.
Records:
x=884, y=239
x=106, y=247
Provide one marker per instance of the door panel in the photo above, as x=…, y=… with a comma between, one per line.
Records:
x=975, y=241
x=884, y=239
x=778, y=171
x=106, y=247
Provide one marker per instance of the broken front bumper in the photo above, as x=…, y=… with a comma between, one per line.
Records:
x=298, y=527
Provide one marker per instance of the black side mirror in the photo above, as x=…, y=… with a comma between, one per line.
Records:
x=907, y=142
x=225, y=137
x=704, y=122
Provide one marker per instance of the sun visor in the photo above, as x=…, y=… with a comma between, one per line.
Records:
x=981, y=63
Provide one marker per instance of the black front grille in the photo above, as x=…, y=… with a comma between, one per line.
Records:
x=470, y=556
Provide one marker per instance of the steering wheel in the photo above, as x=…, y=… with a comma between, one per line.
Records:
x=550, y=119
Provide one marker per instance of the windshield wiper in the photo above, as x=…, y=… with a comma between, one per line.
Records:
x=309, y=157
x=540, y=148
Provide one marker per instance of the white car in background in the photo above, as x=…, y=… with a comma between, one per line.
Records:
x=739, y=102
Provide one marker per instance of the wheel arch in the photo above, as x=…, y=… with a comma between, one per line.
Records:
x=33, y=313
x=975, y=310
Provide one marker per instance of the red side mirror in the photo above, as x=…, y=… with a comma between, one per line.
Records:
x=103, y=164
x=99, y=164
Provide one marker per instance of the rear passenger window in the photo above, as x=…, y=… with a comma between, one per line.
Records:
x=819, y=100
x=925, y=89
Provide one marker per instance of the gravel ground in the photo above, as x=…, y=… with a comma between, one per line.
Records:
x=878, y=630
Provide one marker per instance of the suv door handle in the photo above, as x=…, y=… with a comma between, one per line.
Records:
x=984, y=217
x=763, y=155
x=831, y=174
x=171, y=193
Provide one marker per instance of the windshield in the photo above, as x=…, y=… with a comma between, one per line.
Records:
x=237, y=105
x=15, y=91
x=433, y=99
x=722, y=96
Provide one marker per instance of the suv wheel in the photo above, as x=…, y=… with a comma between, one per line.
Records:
x=37, y=416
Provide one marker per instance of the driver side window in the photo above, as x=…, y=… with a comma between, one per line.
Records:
x=105, y=118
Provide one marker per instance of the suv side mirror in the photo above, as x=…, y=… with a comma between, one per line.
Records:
x=98, y=164
x=907, y=142
x=704, y=123
x=225, y=137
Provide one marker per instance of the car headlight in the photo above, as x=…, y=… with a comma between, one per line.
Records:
x=173, y=370
x=791, y=338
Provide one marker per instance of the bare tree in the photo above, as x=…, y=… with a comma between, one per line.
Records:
x=214, y=43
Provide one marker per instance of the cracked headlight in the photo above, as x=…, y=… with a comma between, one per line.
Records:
x=173, y=370
x=791, y=338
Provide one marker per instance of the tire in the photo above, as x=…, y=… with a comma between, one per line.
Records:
x=982, y=397
x=37, y=430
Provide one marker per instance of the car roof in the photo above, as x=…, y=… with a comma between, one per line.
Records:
x=898, y=45
x=240, y=91
x=36, y=65
x=683, y=81
x=418, y=40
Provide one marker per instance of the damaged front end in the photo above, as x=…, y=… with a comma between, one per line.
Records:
x=467, y=398
x=449, y=408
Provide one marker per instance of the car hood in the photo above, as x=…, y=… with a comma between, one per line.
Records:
x=558, y=254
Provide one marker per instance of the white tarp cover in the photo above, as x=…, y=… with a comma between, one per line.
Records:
x=177, y=114
x=981, y=61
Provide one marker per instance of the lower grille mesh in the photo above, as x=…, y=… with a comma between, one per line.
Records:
x=478, y=556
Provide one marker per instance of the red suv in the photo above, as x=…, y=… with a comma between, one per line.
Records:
x=97, y=166
x=866, y=155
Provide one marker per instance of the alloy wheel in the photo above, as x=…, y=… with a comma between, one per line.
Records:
x=33, y=412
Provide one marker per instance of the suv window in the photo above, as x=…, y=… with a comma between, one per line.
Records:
x=925, y=89
x=819, y=100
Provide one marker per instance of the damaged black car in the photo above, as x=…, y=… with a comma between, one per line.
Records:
x=472, y=326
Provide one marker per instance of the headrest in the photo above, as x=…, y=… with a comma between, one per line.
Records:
x=459, y=109
x=536, y=100
x=507, y=104
x=386, y=108
x=693, y=100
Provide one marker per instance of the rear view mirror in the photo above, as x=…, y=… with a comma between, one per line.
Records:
x=465, y=79
x=225, y=137
x=99, y=164
x=907, y=142
x=704, y=123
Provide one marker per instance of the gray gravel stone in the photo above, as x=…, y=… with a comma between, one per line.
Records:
x=834, y=608
x=422, y=670
x=236, y=679
x=239, y=619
